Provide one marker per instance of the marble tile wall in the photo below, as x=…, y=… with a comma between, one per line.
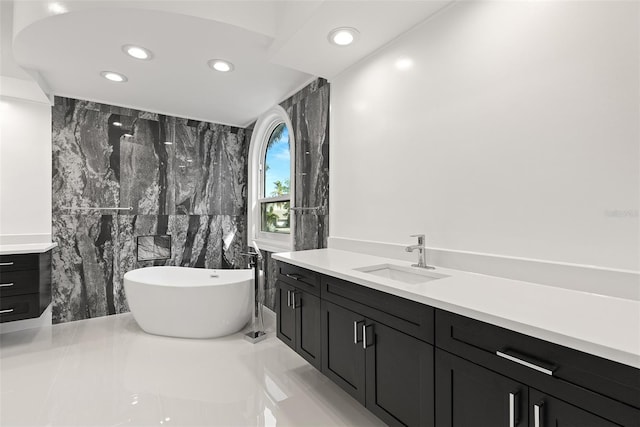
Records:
x=309, y=113
x=193, y=190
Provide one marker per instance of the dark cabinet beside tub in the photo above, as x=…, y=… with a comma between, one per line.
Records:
x=298, y=311
x=413, y=365
x=25, y=285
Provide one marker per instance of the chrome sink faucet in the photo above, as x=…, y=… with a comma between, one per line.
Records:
x=422, y=260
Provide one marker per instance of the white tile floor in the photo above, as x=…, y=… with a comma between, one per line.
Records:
x=108, y=372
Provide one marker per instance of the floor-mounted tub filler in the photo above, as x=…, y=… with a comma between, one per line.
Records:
x=190, y=302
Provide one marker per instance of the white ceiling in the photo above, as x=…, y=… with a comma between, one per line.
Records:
x=277, y=47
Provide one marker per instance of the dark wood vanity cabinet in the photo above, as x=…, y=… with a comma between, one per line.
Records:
x=499, y=377
x=413, y=365
x=25, y=285
x=378, y=348
x=470, y=395
x=343, y=358
x=298, y=311
x=388, y=371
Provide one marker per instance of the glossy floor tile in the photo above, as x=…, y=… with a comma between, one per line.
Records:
x=108, y=372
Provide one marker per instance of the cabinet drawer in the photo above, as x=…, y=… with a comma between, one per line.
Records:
x=479, y=342
x=301, y=278
x=407, y=316
x=19, y=282
x=18, y=262
x=19, y=307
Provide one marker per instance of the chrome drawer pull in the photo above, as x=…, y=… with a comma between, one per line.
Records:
x=294, y=304
x=524, y=363
x=5, y=285
x=3, y=264
x=512, y=409
x=294, y=276
x=7, y=311
x=355, y=330
x=537, y=415
x=364, y=336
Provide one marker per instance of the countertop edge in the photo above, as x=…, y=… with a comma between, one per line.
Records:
x=26, y=248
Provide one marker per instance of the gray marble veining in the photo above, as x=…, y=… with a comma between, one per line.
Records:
x=83, y=266
x=309, y=113
x=233, y=161
x=197, y=154
x=85, y=160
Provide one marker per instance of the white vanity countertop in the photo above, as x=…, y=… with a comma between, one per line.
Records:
x=26, y=248
x=605, y=326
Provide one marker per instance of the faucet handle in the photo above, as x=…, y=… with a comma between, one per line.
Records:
x=420, y=238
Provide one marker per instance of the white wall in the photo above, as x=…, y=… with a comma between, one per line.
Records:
x=512, y=129
x=25, y=163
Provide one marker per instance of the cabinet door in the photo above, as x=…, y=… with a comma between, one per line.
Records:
x=468, y=395
x=308, y=337
x=285, y=314
x=546, y=411
x=343, y=358
x=399, y=377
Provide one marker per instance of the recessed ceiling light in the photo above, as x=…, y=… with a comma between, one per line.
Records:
x=117, y=124
x=137, y=52
x=113, y=76
x=221, y=65
x=343, y=36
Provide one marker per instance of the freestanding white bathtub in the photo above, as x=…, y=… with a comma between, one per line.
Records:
x=189, y=302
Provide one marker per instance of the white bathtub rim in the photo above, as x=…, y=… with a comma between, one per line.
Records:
x=187, y=277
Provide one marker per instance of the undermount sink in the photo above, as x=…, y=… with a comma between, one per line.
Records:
x=409, y=275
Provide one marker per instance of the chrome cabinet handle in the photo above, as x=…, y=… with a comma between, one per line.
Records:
x=512, y=409
x=9, y=310
x=5, y=285
x=524, y=363
x=295, y=304
x=294, y=276
x=355, y=330
x=3, y=264
x=537, y=415
x=364, y=336
x=291, y=299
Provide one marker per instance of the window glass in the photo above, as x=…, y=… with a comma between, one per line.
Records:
x=276, y=179
x=275, y=217
x=277, y=163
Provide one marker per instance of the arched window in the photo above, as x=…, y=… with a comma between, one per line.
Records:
x=275, y=174
x=271, y=181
